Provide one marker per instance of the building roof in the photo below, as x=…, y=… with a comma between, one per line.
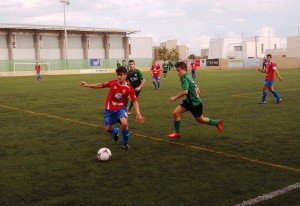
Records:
x=29, y=27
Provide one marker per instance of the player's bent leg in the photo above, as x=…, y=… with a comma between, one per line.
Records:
x=213, y=122
x=179, y=110
x=203, y=120
x=154, y=82
x=124, y=123
x=275, y=93
x=114, y=130
x=109, y=120
x=107, y=128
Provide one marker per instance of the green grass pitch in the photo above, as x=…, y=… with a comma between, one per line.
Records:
x=51, y=131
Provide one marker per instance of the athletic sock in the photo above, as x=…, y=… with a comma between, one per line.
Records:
x=177, y=126
x=125, y=134
x=154, y=83
x=114, y=130
x=264, y=96
x=275, y=93
x=158, y=84
x=212, y=122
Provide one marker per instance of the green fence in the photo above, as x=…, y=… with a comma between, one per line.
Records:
x=70, y=64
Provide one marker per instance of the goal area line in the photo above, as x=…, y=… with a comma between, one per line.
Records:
x=48, y=69
x=270, y=195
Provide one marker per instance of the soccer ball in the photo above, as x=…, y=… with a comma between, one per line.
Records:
x=104, y=154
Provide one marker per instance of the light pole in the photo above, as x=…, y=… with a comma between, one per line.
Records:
x=65, y=2
x=220, y=52
x=299, y=45
x=211, y=48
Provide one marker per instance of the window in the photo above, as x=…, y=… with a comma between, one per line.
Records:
x=275, y=46
x=262, y=48
x=237, y=48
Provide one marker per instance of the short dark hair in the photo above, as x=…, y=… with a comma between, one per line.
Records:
x=269, y=55
x=131, y=61
x=121, y=70
x=181, y=65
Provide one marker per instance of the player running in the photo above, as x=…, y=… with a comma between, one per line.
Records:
x=155, y=70
x=270, y=69
x=166, y=68
x=115, y=111
x=192, y=102
x=136, y=80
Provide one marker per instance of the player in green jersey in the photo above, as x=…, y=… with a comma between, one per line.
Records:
x=166, y=68
x=192, y=102
x=125, y=65
x=136, y=80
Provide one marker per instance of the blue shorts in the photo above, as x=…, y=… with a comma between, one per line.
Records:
x=156, y=78
x=113, y=117
x=268, y=83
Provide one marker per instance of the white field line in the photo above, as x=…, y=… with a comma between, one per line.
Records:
x=270, y=195
x=224, y=154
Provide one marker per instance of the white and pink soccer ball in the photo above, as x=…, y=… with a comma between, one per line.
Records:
x=104, y=154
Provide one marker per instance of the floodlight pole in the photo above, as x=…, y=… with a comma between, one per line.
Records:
x=299, y=45
x=65, y=2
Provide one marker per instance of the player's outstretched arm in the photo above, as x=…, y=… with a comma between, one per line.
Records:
x=263, y=70
x=180, y=94
x=95, y=86
x=278, y=75
x=138, y=118
x=141, y=85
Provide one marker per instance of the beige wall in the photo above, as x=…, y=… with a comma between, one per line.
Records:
x=170, y=44
x=182, y=49
x=204, y=52
x=282, y=63
x=293, y=46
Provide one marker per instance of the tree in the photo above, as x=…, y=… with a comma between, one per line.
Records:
x=193, y=56
x=173, y=55
x=162, y=53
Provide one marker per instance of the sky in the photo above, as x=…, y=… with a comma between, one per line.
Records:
x=191, y=22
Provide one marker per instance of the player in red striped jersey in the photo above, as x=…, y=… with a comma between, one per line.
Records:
x=155, y=70
x=194, y=69
x=38, y=71
x=270, y=69
x=115, y=105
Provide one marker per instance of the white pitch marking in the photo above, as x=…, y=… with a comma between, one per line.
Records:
x=269, y=195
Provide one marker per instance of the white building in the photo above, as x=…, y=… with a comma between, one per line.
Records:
x=238, y=48
x=293, y=46
x=30, y=43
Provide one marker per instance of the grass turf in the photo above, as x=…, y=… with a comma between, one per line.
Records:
x=51, y=130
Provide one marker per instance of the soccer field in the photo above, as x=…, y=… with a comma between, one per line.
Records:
x=51, y=131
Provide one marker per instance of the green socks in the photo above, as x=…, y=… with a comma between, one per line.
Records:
x=177, y=126
x=213, y=122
